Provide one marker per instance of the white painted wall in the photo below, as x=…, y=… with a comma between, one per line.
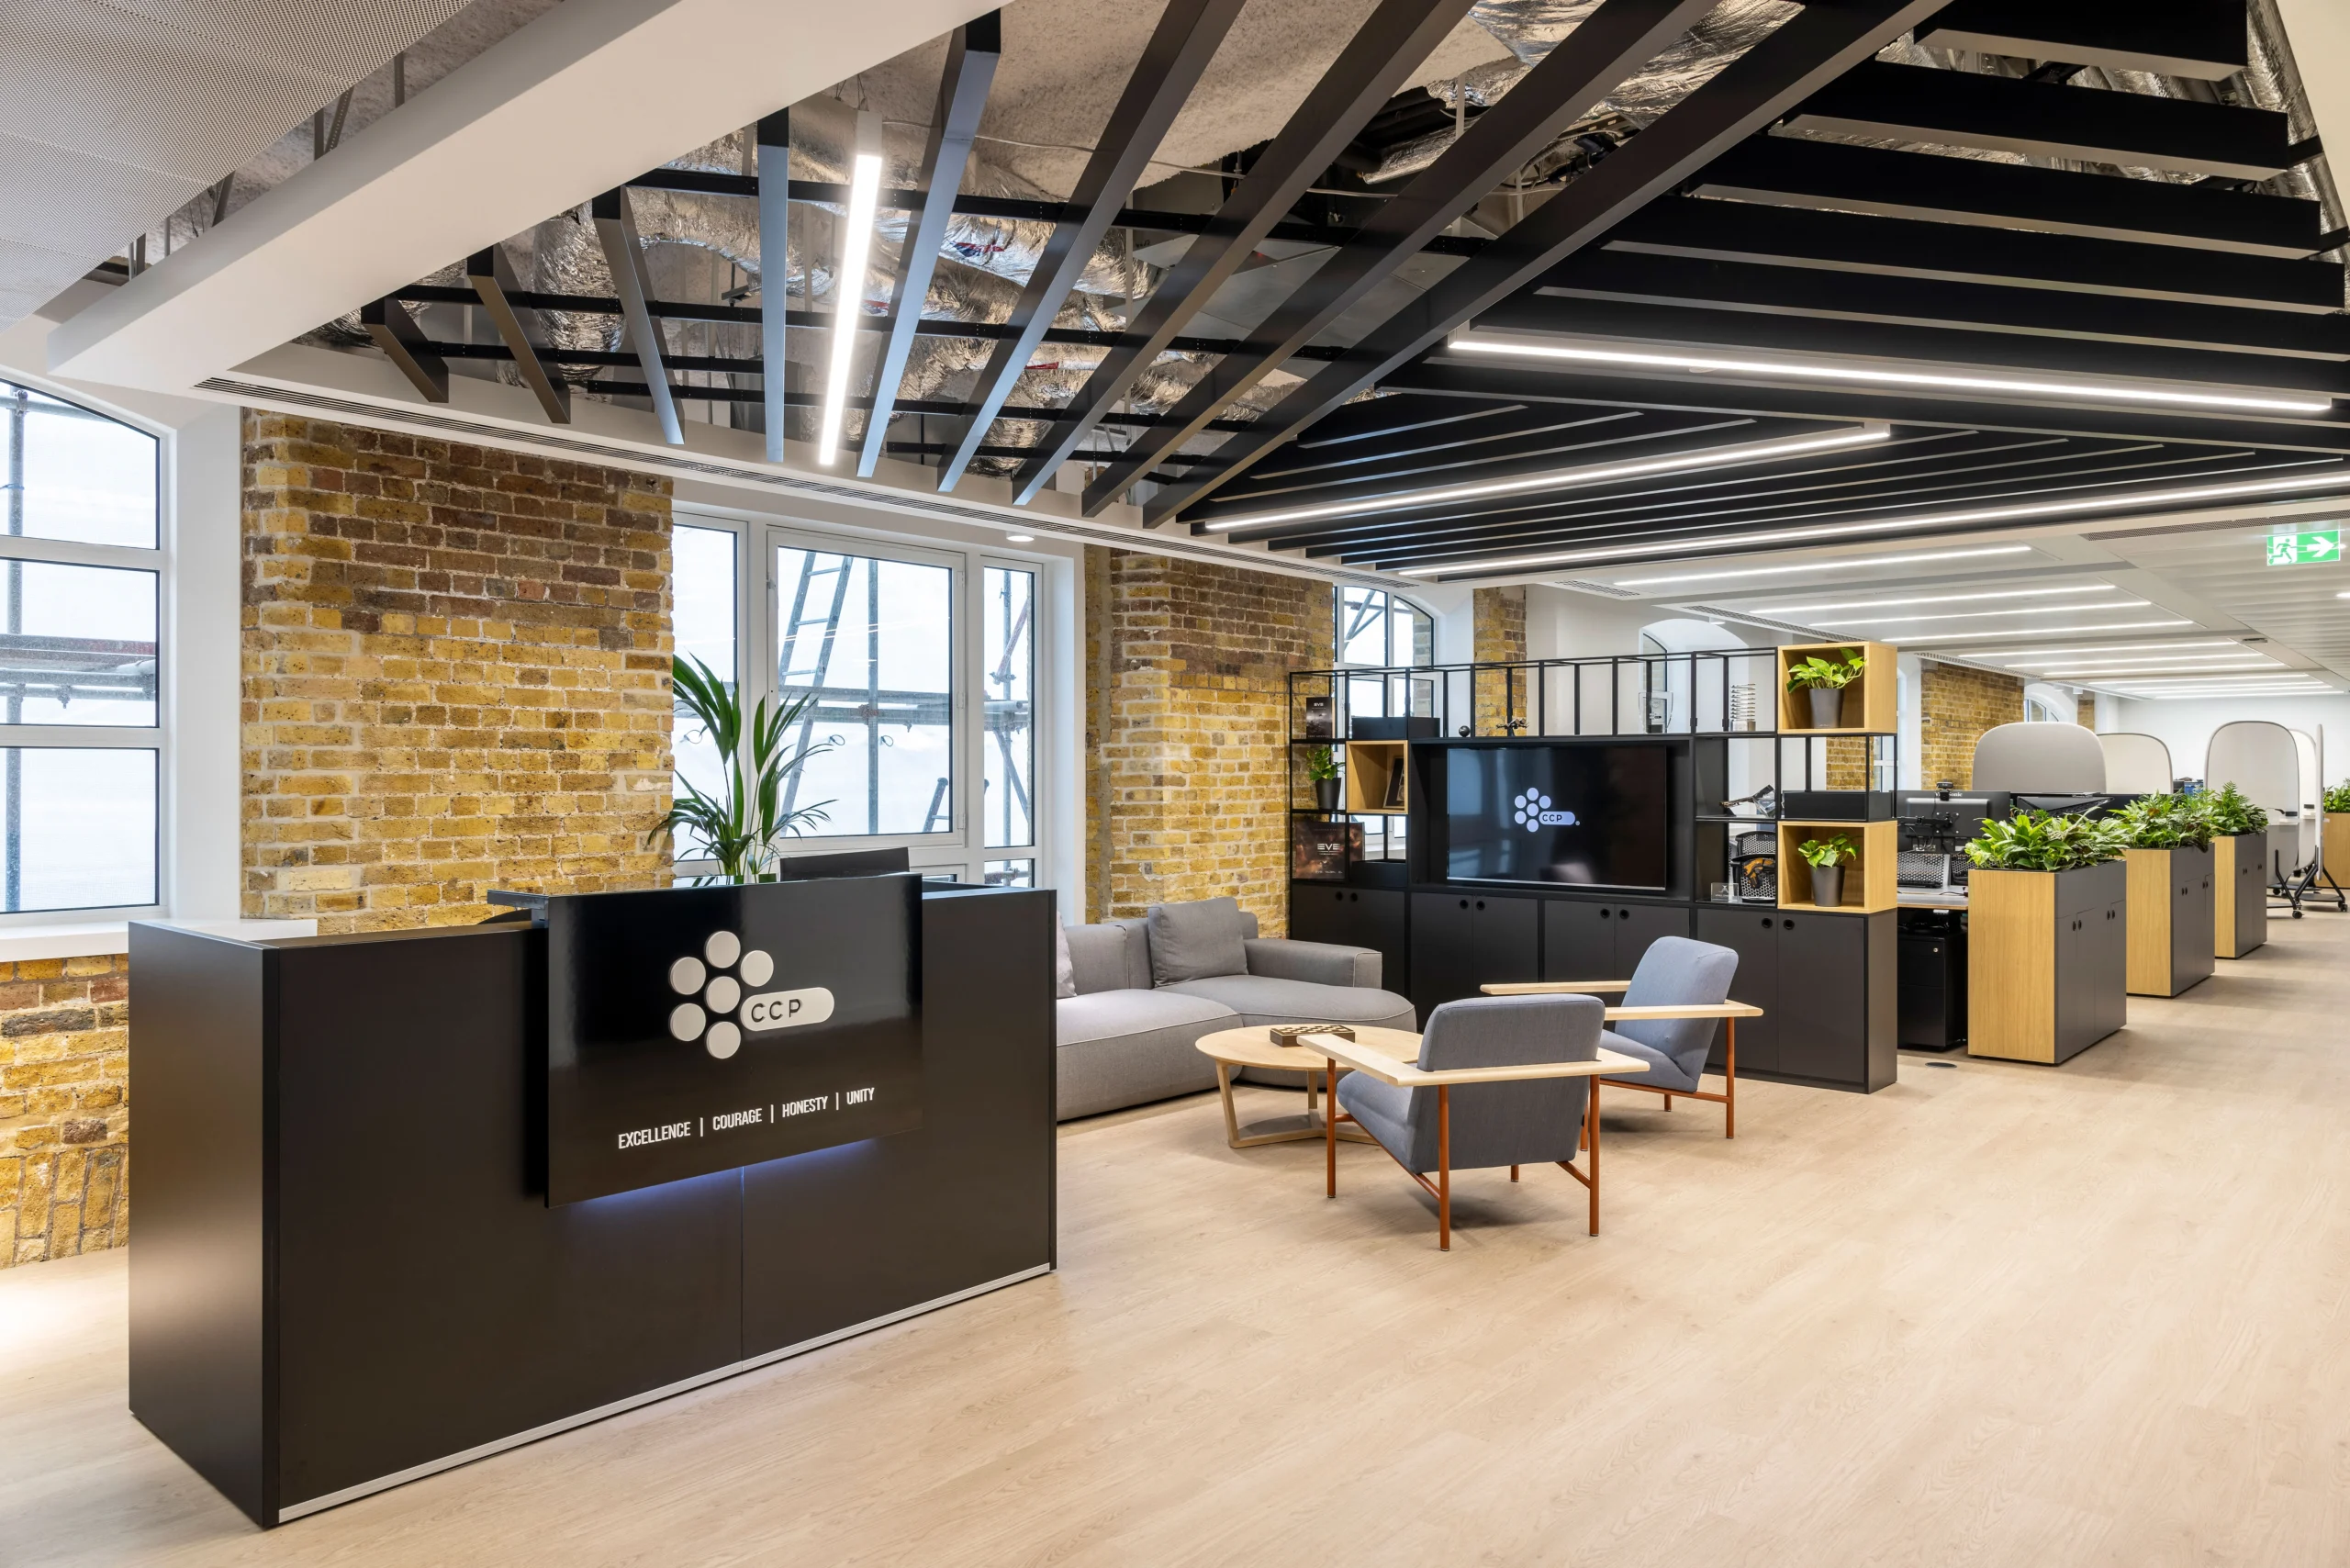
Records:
x=2186, y=725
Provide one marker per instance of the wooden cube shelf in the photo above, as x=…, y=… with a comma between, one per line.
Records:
x=1868, y=702
x=1870, y=876
x=1369, y=766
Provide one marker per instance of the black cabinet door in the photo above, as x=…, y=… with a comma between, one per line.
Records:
x=2192, y=952
x=1506, y=937
x=1317, y=913
x=1579, y=942
x=1823, y=998
x=1376, y=919
x=2113, y=968
x=2082, y=1006
x=2252, y=897
x=1639, y=924
x=1753, y=934
x=1443, y=949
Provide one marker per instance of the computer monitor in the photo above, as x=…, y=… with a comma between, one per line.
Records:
x=1933, y=821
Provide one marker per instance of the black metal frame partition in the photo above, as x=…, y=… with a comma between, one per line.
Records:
x=1725, y=695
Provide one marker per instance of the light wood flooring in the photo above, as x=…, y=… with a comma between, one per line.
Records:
x=1996, y=1313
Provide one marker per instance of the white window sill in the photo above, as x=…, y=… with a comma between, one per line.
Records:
x=26, y=943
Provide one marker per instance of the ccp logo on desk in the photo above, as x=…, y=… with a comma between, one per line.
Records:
x=787, y=1009
x=716, y=994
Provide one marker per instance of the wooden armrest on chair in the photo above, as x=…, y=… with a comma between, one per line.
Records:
x=1554, y=988
x=1720, y=1010
x=1389, y=1070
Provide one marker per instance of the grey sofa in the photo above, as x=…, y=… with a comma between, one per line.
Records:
x=1125, y=1040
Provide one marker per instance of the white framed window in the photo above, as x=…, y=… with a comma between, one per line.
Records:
x=922, y=663
x=82, y=754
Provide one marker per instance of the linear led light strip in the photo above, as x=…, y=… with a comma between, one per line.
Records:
x=2104, y=391
x=2147, y=662
x=1984, y=614
x=1931, y=599
x=848, y=287
x=1833, y=564
x=1941, y=637
x=1721, y=541
x=2117, y=649
x=1712, y=457
x=2123, y=672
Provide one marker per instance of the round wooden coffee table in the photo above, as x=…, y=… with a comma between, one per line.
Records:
x=1231, y=1049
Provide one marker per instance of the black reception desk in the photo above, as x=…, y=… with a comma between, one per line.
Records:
x=347, y=1272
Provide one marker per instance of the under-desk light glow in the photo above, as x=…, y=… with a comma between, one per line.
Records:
x=1711, y=457
x=848, y=286
x=1935, y=380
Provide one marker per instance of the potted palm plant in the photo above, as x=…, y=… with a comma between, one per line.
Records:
x=1824, y=680
x=2239, y=872
x=2047, y=931
x=1828, y=857
x=740, y=827
x=2169, y=856
x=1322, y=767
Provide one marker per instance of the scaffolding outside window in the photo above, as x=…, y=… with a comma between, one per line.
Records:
x=703, y=597
x=1379, y=630
x=1008, y=617
x=81, y=755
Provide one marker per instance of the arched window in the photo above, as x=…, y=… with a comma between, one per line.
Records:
x=80, y=760
x=1377, y=628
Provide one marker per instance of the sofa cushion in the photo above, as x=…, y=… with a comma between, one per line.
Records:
x=1263, y=999
x=1064, y=967
x=1103, y=958
x=1116, y=1015
x=1198, y=940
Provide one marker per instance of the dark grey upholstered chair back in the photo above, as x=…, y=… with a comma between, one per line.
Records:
x=1524, y=1123
x=1677, y=972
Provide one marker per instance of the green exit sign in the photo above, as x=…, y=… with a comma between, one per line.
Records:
x=2305, y=549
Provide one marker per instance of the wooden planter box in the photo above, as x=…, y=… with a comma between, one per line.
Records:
x=2337, y=848
x=2171, y=920
x=1868, y=706
x=2240, y=893
x=2047, y=961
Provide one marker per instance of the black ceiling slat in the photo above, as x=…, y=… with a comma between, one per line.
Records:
x=2070, y=264
x=2044, y=119
x=1572, y=527
x=1872, y=465
x=1184, y=41
x=394, y=332
x=1606, y=46
x=1617, y=275
x=973, y=52
x=1527, y=458
x=1337, y=464
x=1392, y=43
x=2203, y=40
x=1661, y=536
x=1975, y=191
x=519, y=329
x=1376, y=416
x=1805, y=52
x=1668, y=328
x=2315, y=434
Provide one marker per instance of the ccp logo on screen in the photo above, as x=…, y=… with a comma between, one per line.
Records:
x=1533, y=812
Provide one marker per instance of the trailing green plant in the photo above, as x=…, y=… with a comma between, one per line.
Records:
x=2233, y=814
x=2168, y=821
x=2337, y=798
x=743, y=825
x=1833, y=851
x=1833, y=673
x=2038, y=841
x=1321, y=764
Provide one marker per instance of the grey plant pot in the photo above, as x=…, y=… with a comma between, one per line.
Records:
x=1827, y=885
x=1827, y=707
x=1326, y=795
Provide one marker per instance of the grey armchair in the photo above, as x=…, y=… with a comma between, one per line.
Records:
x=1678, y=993
x=1500, y=1081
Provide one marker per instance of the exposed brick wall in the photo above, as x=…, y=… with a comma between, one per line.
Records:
x=456, y=675
x=64, y=1182
x=2084, y=710
x=1955, y=705
x=1187, y=729
x=1497, y=635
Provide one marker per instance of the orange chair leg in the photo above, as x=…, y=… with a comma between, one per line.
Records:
x=1443, y=1167
x=1729, y=1079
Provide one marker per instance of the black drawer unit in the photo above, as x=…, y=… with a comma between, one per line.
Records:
x=1827, y=985
x=1603, y=941
x=1356, y=917
x=1461, y=941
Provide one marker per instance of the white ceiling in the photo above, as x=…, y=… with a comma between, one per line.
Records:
x=115, y=113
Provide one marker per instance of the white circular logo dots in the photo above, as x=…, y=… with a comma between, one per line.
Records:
x=723, y=1040
x=723, y=995
x=686, y=1021
x=722, y=948
x=686, y=976
x=758, y=968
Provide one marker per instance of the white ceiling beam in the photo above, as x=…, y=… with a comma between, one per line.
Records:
x=588, y=97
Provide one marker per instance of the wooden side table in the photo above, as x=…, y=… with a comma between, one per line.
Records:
x=1231, y=1049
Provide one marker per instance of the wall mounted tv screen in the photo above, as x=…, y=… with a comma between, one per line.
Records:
x=1591, y=815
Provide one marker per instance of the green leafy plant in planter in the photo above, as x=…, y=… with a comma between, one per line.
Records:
x=1828, y=857
x=2337, y=798
x=2038, y=841
x=1825, y=678
x=2168, y=821
x=1322, y=767
x=2233, y=814
x=740, y=827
